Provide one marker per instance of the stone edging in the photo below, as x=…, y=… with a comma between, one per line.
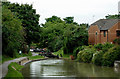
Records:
x=29, y=61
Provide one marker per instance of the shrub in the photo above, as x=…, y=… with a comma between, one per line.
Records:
x=97, y=58
x=111, y=55
x=75, y=51
x=79, y=56
x=107, y=46
x=117, y=41
x=90, y=46
x=98, y=46
x=86, y=55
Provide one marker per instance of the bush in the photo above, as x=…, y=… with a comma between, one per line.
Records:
x=97, y=58
x=98, y=46
x=107, y=46
x=90, y=46
x=111, y=55
x=86, y=55
x=79, y=56
x=117, y=41
x=75, y=51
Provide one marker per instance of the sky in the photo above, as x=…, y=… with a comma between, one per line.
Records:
x=83, y=11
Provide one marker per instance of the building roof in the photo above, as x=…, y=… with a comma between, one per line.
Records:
x=105, y=24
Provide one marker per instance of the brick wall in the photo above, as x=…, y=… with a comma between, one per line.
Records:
x=103, y=38
x=99, y=37
x=93, y=38
x=112, y=33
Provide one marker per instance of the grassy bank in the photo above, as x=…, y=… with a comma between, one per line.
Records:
x=14, y=71
x=6, y=58
x=36, y=57
x=14, y=68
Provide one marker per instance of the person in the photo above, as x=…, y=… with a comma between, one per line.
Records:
x=20, y=52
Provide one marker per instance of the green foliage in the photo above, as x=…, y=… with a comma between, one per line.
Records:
x=16, y=55
x=29, y=19
x=74, y=36
x=103, y=47
x=69, y=20
x=98, y=46
x=111, y=55
x=117, y=41
x=12, y=73
x=57, y=34
x=59, y=52
x=86, y=55
x=107, y=46
x=76, y=51
x=97, y=58
x=53, y=19
x=35, y=57
x=12, y=32
x=117, y=16
x=6, y=58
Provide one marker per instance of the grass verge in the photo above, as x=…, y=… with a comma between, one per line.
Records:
x=6, y=58
x=36, y=57
x=13, y=71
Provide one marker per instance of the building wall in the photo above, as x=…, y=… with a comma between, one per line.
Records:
x=112, y=33
x=93, y=38
x=99, y=38
x=103, y=38
x=118, y=25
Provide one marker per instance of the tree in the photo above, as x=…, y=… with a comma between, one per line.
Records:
x=74, y=36
x=54, y=19
x=117, y=16
x=69, y=20
x=12, y=33
x=29, y=18
x=59, y=34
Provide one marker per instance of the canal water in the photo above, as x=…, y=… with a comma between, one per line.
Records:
x=67, y=68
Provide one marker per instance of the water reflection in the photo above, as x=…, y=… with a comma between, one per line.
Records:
x=66, y=68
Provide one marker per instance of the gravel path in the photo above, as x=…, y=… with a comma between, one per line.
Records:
x=4, y=66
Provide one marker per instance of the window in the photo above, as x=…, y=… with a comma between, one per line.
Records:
x=96, y=33
x=118, y=32
x=104, y=34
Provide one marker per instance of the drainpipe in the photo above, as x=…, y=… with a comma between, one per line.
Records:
x=107, y=35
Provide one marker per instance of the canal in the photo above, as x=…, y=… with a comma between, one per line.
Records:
x=66, y=68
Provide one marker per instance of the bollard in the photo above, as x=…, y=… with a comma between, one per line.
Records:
x=117, y=64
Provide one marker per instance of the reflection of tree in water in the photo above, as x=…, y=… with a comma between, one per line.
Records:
x=68, y=68
x=90, y=70
x=41, y=70
x=26, y=71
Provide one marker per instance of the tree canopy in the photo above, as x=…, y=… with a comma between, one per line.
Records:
x=29, y=19
x=12, y=32
x=66, y=34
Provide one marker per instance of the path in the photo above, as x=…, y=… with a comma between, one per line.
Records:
x=4, y=66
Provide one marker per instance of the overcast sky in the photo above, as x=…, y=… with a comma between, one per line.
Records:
x=83, y=11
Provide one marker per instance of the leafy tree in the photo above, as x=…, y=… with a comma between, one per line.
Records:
x=12, y=33
x=57, y=34
x=117, y=16
x=75, y=36
x=54, y=19
x=29, y=18
x=69, y=20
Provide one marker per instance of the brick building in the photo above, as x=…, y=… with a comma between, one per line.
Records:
x=104, y=30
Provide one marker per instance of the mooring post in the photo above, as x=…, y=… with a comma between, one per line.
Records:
x=117, y=64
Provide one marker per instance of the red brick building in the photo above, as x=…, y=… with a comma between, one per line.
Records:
x=104, y=30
